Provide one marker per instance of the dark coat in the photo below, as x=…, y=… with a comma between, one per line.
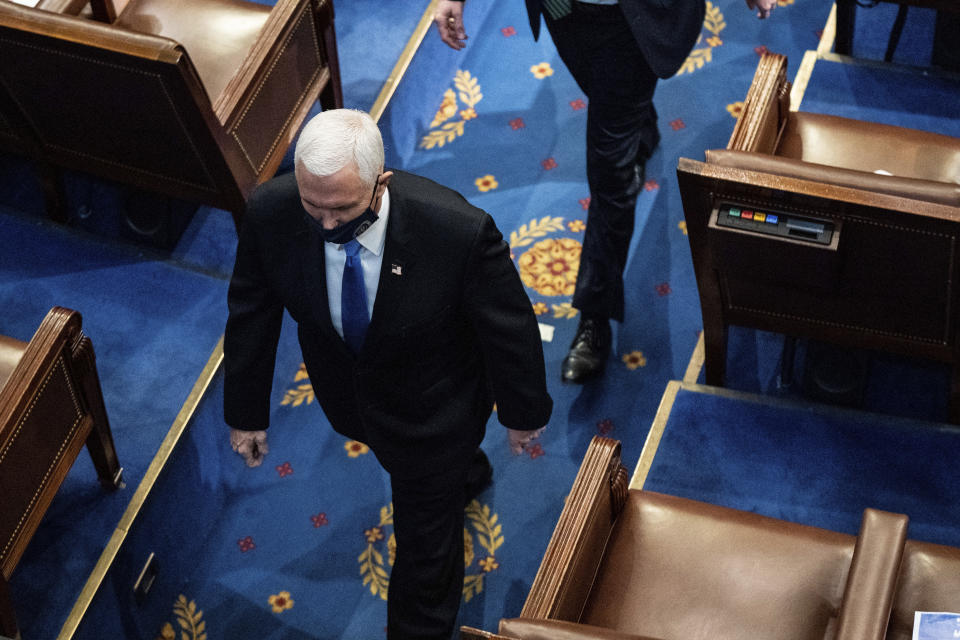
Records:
x=665, y=30
x=452, y=328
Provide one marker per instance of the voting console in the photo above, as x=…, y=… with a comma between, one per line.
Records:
x=826, y=228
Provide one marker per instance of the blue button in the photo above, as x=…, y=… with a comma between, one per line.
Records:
x=772, y=219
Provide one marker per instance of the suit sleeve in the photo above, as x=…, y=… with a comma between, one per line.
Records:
x=250, y=340
x=503, y=318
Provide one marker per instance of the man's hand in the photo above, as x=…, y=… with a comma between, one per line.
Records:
x=519, y=440
x=449, y=21
x=252, y=445
x=763, y=7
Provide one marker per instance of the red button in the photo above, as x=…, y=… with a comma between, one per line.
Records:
x=747, y=215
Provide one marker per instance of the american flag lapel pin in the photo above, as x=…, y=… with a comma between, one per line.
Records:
x=396, y=269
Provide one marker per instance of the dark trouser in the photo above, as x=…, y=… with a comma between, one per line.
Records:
x=426, y=582
x=601, y=53
x=946, y=45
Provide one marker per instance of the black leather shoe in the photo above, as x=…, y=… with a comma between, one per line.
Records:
x=480, y=475
x=588, y=352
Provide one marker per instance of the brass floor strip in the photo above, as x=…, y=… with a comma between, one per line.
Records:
x=143, y=491
x=696, y=362
x=829, y=33
x=803, y=79
x=652, y=444
x=649, y=450
x=403, y=62
x=810, y=58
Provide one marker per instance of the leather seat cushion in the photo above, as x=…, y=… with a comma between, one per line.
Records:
x=926, y=190
x=929, y=581
x=700, y=569
x=868, y=146
x=11, y=350
x=216, y=34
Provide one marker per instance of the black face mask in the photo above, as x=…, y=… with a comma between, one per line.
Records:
x=343, y=233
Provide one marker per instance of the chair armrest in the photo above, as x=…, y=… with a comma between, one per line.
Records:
x=527, y=629
x=66, y=7
x=88, y=33
x=913, y=188
x=573, y=555
x=472, y=633
x=872, y=580
x=765, y=108
x=731, y=180
x=60, y=329
x=102, y=10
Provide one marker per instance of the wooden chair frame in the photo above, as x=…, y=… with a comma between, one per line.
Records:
x=211, y=149
x=50, y=407
x=802, y=291
x=561, y=589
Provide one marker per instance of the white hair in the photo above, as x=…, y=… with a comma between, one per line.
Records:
x=333, y=139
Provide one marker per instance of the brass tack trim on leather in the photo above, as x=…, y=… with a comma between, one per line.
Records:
x=256, y=93
x=63, y=445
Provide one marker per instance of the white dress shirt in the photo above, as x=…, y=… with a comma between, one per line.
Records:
x=371, y=258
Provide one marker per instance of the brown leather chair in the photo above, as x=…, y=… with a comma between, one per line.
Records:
x=195, y=99
x=929, y=581
x=863, y=249
x=50, y=405
x=637, y=565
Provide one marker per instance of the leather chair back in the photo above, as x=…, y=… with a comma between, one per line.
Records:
x=883, y=274
x=50, y=406
x=114, y=103
x=126, y=101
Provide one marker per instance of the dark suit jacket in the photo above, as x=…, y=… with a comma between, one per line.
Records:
x=452, y=329
x=665, y=30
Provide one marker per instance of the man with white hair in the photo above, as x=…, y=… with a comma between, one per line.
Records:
x=412, y=321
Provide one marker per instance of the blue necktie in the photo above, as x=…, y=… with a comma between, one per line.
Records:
x=353, y=299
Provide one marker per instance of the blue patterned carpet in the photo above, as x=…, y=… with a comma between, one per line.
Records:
x=301, y=547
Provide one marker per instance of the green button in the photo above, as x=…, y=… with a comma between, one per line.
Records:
x=734, y=212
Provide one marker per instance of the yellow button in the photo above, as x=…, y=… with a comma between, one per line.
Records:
x=759, y=217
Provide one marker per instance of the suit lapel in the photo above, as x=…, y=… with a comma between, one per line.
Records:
x=397, y=274
x=398, y=271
